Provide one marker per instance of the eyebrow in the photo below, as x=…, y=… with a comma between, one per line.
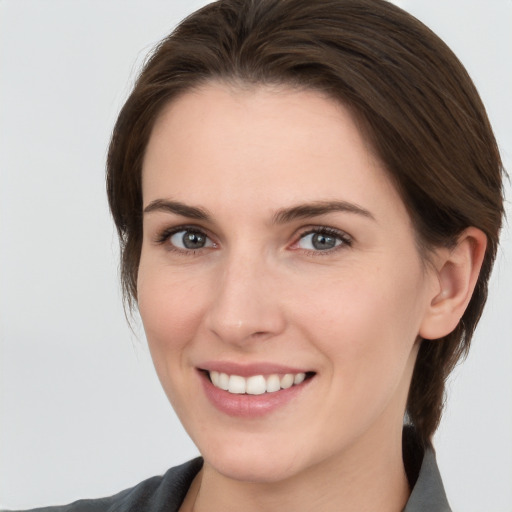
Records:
x=168, y=206
x=282, y=216
x=318, y=208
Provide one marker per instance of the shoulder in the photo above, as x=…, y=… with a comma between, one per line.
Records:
x=156, y=494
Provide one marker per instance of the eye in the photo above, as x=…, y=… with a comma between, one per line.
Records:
x=323, y=240
x=189, y=239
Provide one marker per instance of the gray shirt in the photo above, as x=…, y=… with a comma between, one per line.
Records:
x=166, y=493
x=428, y=493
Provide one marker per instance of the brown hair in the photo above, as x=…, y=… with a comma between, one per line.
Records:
x=413, y=98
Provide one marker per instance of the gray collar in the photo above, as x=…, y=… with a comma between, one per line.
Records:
x=428, y=493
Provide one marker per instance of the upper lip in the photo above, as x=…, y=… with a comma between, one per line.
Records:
x=247, y=370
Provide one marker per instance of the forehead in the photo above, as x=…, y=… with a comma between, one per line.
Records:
x=261, y=119
x=265, y=145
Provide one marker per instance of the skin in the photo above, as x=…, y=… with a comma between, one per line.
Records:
x=259, y=291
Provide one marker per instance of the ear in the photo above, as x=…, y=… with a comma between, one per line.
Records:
x=457, y=270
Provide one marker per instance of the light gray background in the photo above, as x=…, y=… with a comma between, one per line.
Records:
x=82, y=414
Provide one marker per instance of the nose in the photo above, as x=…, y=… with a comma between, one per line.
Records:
x=246, y=303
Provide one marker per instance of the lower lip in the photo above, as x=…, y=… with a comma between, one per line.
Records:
x=249, y=406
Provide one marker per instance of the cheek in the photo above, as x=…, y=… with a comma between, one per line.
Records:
x=169, y=306
x=170, y=309
x=365, y=322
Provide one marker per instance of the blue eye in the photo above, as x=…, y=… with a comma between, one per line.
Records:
x=322, y=240
x=189, y=239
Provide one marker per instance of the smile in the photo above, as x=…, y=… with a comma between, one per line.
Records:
x=255, y=384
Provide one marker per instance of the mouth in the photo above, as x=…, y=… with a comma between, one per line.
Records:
x=256, y=384
x=252, y=391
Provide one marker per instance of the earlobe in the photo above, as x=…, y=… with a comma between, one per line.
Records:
x=457, y=273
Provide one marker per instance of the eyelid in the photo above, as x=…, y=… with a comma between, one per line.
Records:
x=163, y=236
x=346, y=239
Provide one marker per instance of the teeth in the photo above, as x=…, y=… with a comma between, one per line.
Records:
x=287, y=381
x=256, y=384
x=273, y=383
x=299, y=378
x=224, y=381
x=214, y=376
x=236, y=385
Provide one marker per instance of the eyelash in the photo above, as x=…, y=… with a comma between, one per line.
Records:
x=346, y=241
x=165, y=235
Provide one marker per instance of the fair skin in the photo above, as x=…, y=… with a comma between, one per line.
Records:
x=274, y=243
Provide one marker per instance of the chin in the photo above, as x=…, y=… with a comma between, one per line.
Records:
x=256, y=458
x=260, y=468
x=249, y=458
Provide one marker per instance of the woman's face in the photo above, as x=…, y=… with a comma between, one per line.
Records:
x=276, y=250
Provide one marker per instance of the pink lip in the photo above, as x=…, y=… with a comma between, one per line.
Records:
x=246, y=370
x=250, y=406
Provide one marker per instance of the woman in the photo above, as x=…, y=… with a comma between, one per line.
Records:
x=308, y=197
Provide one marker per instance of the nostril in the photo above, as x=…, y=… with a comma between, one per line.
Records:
x=259, y=334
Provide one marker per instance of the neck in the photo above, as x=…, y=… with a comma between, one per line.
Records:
x=368, y=476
